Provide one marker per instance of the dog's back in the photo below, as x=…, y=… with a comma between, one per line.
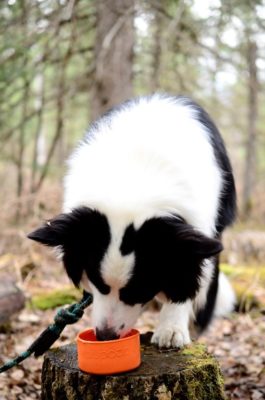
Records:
x=156, y=154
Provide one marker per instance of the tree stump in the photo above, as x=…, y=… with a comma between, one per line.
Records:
x=189, y=374
x=12, y=299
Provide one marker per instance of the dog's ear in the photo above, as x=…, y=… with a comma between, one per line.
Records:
x=54, y=232
x=185, y=249
x=197, y=243
x=83, y=236
x=172, y=234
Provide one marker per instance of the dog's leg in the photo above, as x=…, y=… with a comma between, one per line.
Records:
x=173, y=328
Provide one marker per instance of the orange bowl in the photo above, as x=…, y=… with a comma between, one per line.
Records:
x=110, y=356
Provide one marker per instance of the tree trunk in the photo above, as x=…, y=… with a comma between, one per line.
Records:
x=113, y=54
x=38, y=144
x=251, y=145
x=157, y=50
x=22, y=131
x=189, y=374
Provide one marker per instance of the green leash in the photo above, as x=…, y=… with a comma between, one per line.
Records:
x=65, y=316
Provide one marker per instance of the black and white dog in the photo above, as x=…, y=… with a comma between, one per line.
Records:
x=148, y=194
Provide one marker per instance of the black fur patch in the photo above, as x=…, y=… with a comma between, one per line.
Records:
x=168, y=258
x=227, y=206
x=128, y=241
x=84, y=236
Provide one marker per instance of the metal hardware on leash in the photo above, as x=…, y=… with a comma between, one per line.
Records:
x=65, y=316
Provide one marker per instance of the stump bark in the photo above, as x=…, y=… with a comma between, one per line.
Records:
x=12, y=299
x=189, y=374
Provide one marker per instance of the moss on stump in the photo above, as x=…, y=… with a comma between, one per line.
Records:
x=189, y=374
x=55, y=298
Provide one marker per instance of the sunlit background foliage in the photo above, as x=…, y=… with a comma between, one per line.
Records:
x=213, y=51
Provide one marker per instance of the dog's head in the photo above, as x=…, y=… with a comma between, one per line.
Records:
x=126, y=266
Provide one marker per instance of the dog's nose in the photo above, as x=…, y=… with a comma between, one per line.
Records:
x=106, y=334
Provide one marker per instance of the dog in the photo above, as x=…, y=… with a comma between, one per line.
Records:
x=148, y=193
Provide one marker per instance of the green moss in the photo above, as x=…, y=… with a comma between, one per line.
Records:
x=227, y=269
x=195, y=350
x=245, y=280
x=244, y=272
x=245, y=297
x=204, y=380
x=55, y=298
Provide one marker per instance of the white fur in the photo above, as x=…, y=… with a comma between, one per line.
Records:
x=116, y=269
x=226, y=299
x=173, y=328
x=152, y=158
x=109, y=311
x=207, y=273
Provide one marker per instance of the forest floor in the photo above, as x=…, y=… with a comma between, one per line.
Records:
x=237, y=342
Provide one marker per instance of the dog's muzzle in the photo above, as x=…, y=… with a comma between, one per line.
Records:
x=106, y=334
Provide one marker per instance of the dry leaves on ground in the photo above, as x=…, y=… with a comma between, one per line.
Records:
x=238, y=344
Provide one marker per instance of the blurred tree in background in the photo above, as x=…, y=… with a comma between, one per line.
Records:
x=64, y=62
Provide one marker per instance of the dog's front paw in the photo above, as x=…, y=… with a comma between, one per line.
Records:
x=171, y=336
